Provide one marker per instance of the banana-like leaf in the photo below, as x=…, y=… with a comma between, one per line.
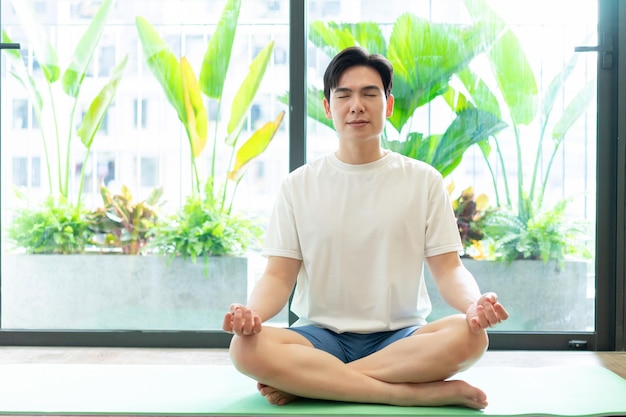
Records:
x=248, y=89
x=255, y=146
x=556, y=85
x=83, y=55
x=574, y=110
x=515, y=78
x=330, y=37
x=480, y=94
x=413, y=146
x=44, y=52
x=510, y=65
x=197, y=125
x=370, y=36
x=425, y=56
x=163, y=64
x=468, y=128
x=100, y=105
x=217, y=57
x=20, y=72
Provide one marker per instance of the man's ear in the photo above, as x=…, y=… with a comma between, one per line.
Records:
x=327, y=109
x=389, y=105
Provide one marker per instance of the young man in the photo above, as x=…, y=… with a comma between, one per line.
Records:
x=353, y=230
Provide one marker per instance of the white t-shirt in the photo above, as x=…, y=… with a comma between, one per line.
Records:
x=362, y=232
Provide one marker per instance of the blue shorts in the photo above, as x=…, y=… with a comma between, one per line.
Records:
x=349, y=347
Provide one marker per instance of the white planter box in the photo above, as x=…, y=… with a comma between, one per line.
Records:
x=95, y=291
x=536, y=295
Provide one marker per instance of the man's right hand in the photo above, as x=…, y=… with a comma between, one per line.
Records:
x=241, y=321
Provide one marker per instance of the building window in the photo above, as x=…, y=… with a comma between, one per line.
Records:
x=140, y=108
x=149, y=171
x=21, y=172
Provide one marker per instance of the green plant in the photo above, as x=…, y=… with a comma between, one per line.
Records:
x=184, y=92
x=124, y=223
x=425, y=57
x=202, y=229
x=549, y=235
x=53, y=227
x=517, y=99
x=55, y=107
x=206, y=226
x=50, y=106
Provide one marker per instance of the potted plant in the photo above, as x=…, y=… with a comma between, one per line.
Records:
x=470, y=212
x=122, y=223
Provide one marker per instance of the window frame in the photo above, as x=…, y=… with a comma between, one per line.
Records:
x=610, y=246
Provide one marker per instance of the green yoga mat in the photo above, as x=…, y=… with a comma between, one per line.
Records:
x=221, y=390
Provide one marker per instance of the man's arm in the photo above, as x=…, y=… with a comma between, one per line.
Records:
x=460, y=290
x=269, y=296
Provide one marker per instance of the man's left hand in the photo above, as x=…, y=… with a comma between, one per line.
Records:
x=486, y=312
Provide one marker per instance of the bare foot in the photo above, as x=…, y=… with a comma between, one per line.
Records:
x=426, y=394
x=274, y=396
x=440, y=393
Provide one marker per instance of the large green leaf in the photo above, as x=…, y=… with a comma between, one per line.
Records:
x=247, y=91
x=479, y=93
x=468, y=128
x=197, y=125
x=75, y=73
x=331, y=37
x=413, y=146
x=255, y=146
x=44, y=52
x=217, y=57
x=425, y=56
x=163, y=64
x=511, y=68
x=100, y=105
x=556, y=85
x=515, y=78
x=574, y=110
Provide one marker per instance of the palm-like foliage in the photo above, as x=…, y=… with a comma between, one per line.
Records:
x=518, y=100
x=204, y=226
x=425, y=57
x=184, y=91
x=59, y=225
x=47, y=101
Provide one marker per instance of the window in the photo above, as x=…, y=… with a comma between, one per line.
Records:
x=142, y=144
x=22, y=173
x=149, y=172
x=140, y=118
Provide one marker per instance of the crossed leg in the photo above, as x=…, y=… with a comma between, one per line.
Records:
x=410, y=372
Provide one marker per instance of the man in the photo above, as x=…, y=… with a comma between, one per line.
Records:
x=353, y=229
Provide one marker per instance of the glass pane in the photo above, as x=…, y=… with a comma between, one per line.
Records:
x=493, y=96
x=84, y=273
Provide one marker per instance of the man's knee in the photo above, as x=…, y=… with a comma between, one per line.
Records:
x=243, y=353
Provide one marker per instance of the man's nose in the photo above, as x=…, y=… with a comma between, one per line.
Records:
x=357, y=106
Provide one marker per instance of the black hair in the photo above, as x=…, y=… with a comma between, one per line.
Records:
x=357, y=56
